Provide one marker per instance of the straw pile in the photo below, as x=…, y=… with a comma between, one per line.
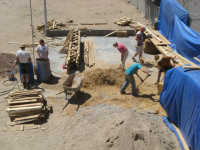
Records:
x=102, y=77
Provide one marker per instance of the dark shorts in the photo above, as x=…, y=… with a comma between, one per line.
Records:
x=24, y=68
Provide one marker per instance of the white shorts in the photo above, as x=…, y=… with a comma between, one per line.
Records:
x=139, y=49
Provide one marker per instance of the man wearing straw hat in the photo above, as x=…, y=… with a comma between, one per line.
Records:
x=23, y=59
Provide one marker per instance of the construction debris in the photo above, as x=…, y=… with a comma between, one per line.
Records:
x=89, y=53
x=124, y=21
x=52, y=25
x=26, y=106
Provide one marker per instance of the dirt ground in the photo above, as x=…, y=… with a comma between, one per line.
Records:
x=15, y=27
x=15, y=16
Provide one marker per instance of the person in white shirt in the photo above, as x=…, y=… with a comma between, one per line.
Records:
x=42, y=51
x=23, y=58
x=43, y=64
x=140, y=38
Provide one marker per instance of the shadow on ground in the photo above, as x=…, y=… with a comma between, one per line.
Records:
x=79, y=99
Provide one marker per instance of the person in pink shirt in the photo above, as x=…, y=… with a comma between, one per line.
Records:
x=124, y=52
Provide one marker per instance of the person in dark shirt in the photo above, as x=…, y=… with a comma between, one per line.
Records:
x=164, y=64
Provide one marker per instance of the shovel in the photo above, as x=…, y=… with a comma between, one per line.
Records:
x=144, y=80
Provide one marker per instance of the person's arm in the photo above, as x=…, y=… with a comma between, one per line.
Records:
x=29, y=59
x=38, y=53
x=47, y=50
x=137, y=37
x=159, y=75
x=17, y=61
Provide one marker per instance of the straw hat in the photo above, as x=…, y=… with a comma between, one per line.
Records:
x=22, y=46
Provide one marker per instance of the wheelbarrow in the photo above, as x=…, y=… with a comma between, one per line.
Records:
x=72, y=90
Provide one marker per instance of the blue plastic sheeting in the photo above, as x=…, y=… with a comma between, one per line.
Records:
x=186, y=41
x=168, y=9
x=172, y=128
x=181, y=100
x=173, y=20
x=181, y=92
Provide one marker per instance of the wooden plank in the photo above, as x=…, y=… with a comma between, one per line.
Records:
x=86, y=53
x=191, y=67
x=24, y=93
x=20, y=110
x=162, y=37
x=103, y=23
x=111, y=33
x=26, y=117
x=197, y=59
x=23, y=121
x=26, y=105
x=24, y=98
x=22, y=102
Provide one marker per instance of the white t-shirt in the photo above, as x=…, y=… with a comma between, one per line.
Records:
x=43, y=51
x=23, y=56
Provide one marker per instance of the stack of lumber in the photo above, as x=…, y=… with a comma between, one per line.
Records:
x=163, y=45
x=52, y=25
x=124, y=21
x=89, y=53
x=72, y=47
x=26, y=106
x=66, y=43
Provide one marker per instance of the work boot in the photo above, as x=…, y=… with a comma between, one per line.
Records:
x=28, y=86
x=24, y=85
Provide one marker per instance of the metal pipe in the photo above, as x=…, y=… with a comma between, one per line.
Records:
x=32, y=28
x=45, y=17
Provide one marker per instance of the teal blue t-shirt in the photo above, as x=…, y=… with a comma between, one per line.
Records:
x=133, y=69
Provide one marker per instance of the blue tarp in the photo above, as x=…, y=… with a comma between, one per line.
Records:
x=168, y=9
x=181, y=100
x=173, y=20
x=186, y=41
x=181, y=92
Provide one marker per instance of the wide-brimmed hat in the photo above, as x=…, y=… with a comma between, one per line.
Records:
x=22, y=46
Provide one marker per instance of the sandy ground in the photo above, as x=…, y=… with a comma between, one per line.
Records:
x=15, y=16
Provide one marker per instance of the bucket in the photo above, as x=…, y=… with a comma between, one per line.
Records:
x=43, y=70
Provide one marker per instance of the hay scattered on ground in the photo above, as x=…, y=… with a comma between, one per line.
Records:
x=100, y=77
x=6, y=63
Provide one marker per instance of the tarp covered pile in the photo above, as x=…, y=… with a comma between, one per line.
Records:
x=181, y=92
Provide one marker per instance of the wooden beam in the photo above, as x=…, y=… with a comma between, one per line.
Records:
x=22, y=102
